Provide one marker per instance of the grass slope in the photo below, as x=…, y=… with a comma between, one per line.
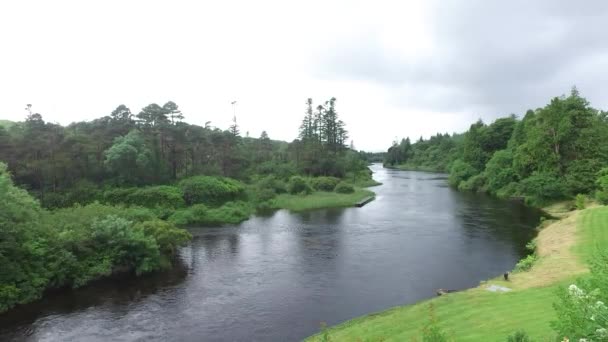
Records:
x=480, y=315
x=318, y=200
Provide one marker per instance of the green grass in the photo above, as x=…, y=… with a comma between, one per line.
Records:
x=410, y=167
x=595, y=232
x=319, y=200
x=480, y=315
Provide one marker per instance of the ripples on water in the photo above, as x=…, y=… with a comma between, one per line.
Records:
x=277, y=276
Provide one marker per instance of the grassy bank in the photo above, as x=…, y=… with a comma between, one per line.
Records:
x=563, y=247
x=319, y=200
x=412, y=167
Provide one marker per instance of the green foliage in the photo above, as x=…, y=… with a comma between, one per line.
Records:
x=211, y=190
x=476, y=183
x=164, y=196
x=344, y=188
x=272, y=183
x=298, y=185
x=459, y=172
x=580, y=201
x=199, y=214
x=324, y=183
x=129, y=157
x=156, y=196
x=581, y=309
x=542, y=187
x=526, y=263
x=499, y=171
x=73, y=246
x=602, y=183
x=531, y=246
x=553, y=153
x=519, y=336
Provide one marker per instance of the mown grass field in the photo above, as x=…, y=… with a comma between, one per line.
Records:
x=480, y=315
x=318, y=200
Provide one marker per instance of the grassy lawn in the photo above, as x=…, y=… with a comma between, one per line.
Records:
x=480, y=315
x=318, y=200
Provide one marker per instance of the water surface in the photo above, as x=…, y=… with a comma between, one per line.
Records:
x=276, y=277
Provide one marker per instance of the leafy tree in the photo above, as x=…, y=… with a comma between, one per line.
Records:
x=129, y=157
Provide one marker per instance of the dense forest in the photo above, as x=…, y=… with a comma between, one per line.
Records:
x=552, y=153
x=97, y=198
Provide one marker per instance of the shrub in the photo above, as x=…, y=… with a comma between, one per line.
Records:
x=602, y=183
x=117, y=195
x=196, y=214
x=325, y=183
x=531, y=246
x=298, y=185
x=211, y=190
x=602, y=197
x=475, y=183
x=580, y=201
x=156, y=196
x=519, y=336
x=526, y=263
x=272, y=183
x=541, y=187
x=199, y=214
x=499, y=171
x=460, y=171
x=511, y=189
x=343, y=188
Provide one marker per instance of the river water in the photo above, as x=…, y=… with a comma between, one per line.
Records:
x=277, y=277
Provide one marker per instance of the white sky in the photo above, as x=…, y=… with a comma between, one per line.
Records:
x=78, y=60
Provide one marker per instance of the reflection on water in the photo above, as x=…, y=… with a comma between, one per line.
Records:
x=278, y=275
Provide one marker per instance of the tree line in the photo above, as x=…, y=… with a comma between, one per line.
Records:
x=156, y=146
x=551, y=153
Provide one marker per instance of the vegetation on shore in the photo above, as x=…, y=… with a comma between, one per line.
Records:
x=551, y=154
x=107, y=196
x=565, y=248
x=318, y=200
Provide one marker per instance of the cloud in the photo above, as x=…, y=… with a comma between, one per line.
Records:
x=489, y=57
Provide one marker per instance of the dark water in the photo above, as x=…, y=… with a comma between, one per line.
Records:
x=276, y=278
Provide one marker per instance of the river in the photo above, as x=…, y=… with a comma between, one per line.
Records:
x=277, y=277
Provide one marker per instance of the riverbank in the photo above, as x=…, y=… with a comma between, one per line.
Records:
x=319, y=200
x=411, y=167
x=477, y=314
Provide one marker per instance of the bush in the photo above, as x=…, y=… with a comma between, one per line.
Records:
x=580, y=201
x=602, y=197
x=511, y=189
x=499, y=171
x=196, y=214
x=526, y=263
x=117, y=195
x=157, y=196
x=519, y=336
x=542, y=187
x=211, y=190
x=343, y=188
x=272, y=183
x=475, y=183
x=164, y=196
x=602, y=183
x=460, y=171
x=199, y=214
x=325, y=183
x=298, y=185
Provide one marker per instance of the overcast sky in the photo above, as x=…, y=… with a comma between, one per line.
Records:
x=397, y=68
